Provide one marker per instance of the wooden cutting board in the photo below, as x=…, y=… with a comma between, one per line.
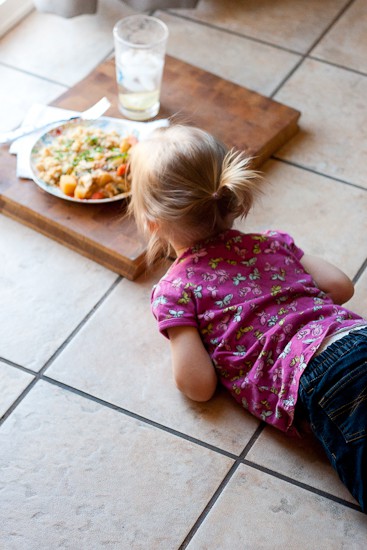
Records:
x=239, y=117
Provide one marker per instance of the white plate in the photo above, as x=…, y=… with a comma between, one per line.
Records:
x=106, y=124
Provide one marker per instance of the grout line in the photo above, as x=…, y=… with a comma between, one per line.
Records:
x=252, y=441
x=138, y=417
x=39, y=375
x=223, y=484
x=360, y=272
x=233, y=33
x=29, y=73
x=306, y=55
x=240, y=459
x=303, y=55
x=330, y=25
x=17, y=366
x=288, y=76
x=221, y=487
x=80, y=325
x=313, y=171
x=18, y=400
x=250, y=464
x=337, y=65
x=301, y=485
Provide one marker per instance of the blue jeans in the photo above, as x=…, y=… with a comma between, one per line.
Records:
x=333, y=399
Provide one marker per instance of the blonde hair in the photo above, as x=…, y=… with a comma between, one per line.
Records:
x=187, y=186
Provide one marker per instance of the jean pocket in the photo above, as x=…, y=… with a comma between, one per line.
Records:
x=346, y=404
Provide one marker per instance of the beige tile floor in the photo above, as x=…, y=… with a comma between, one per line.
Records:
x=97, y=447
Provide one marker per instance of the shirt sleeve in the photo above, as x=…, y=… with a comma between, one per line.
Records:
x=288, y=242
x=173, y=306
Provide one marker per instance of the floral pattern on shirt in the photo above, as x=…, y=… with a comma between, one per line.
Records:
x=260, y=315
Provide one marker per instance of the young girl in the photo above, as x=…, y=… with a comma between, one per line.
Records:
x=251, y=310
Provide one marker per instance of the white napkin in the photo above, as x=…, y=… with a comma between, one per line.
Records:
x=40, y=114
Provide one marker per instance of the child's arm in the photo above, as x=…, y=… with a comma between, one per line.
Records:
x=329, y=278
x=193, y=369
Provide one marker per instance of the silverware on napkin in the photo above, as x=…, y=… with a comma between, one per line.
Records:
x=92, y=113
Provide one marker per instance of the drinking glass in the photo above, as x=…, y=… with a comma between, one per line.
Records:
x=140, y=48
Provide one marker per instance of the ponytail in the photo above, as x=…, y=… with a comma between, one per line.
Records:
x=238, y=184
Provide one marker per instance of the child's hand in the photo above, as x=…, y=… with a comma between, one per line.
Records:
x=193, y=369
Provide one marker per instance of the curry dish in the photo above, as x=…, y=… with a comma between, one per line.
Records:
x=86, y=162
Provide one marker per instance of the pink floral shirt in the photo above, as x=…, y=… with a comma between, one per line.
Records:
x=260, y=315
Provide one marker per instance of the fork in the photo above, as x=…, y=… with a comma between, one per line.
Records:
x=92, y=113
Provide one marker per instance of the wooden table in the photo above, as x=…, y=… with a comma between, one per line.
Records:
x=239, y=117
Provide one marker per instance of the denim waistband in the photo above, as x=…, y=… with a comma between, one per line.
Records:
x=327, y=358
x=338, y=336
